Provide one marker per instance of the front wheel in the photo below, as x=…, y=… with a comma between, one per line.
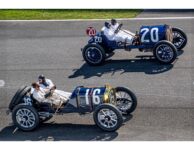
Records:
x=126, y=100
x=25, y=117
x=94, y=54
x=108, y=117
x=165, y=52
x=179, y=38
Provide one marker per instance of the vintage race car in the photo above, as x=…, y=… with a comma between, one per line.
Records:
x=162, y=40
x=108, y=105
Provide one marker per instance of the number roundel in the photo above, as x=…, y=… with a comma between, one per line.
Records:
x=91, y=31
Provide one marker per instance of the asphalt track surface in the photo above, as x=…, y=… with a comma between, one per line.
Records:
x=165, y=92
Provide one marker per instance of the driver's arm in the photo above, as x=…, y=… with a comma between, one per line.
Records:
x=39, y=97
x=51, y=84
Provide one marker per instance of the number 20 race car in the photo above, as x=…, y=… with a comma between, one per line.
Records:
x=163, y=40
x=107, y=104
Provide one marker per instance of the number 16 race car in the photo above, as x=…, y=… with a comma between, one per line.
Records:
x=162, y=40
x=107, y=104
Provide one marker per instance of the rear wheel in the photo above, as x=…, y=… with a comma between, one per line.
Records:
x=179, y=38
x=108, y=117
x=25, y=117
x=94, y=54
x=165, y=52
x=126, y=100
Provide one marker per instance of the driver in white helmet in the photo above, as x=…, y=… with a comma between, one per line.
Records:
x=127, y=35
x=112, y=35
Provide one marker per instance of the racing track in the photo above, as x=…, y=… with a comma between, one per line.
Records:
x=165, y=93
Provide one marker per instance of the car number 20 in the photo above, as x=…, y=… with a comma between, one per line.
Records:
x=154, y=35
x=95, y=96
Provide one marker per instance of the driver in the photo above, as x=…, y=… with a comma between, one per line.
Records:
x=127, y=35
x=45, y=83
x=110, y=32
x=115, y=24
x=52, y=96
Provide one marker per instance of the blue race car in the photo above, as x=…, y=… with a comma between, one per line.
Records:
x=107, y=104
x=163, y=40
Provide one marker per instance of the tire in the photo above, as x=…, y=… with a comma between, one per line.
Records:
x=182, y=37
x=104, y=123
x=125, y=104
x=15, y=97
x=22, y=94
x=30, y=114
x=165, y=52
x=97, y=57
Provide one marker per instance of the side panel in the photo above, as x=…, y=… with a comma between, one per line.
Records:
x=150, y=35
x=89, y=98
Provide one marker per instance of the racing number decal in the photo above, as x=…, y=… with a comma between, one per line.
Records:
x=86, y=96
x=90, y=31
x=154, y=36
x=97, y=39
x=145, y=31
x=27, y=100
x=95, y=96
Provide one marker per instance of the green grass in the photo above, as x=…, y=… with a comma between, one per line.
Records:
x=45, y=14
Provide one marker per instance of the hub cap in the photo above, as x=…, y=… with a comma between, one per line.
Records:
x=93, y=55
x=107, y=118
x=164, y=53
x=25, y=118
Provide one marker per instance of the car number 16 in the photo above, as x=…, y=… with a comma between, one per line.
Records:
x=95, y=97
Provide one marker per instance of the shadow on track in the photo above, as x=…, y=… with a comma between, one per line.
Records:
x=58, y=132
x=146, y=64
x=51, y=131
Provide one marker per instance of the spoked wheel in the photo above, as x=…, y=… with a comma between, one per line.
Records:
x=126, y=100
x=25, y=117
x=94, y=54
x=165, y=52
x=108, y=117
x=179, y=38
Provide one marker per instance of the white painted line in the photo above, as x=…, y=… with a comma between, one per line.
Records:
x=69, y=20
x=2, y=83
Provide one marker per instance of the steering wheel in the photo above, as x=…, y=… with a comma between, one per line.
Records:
x=118, y=28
